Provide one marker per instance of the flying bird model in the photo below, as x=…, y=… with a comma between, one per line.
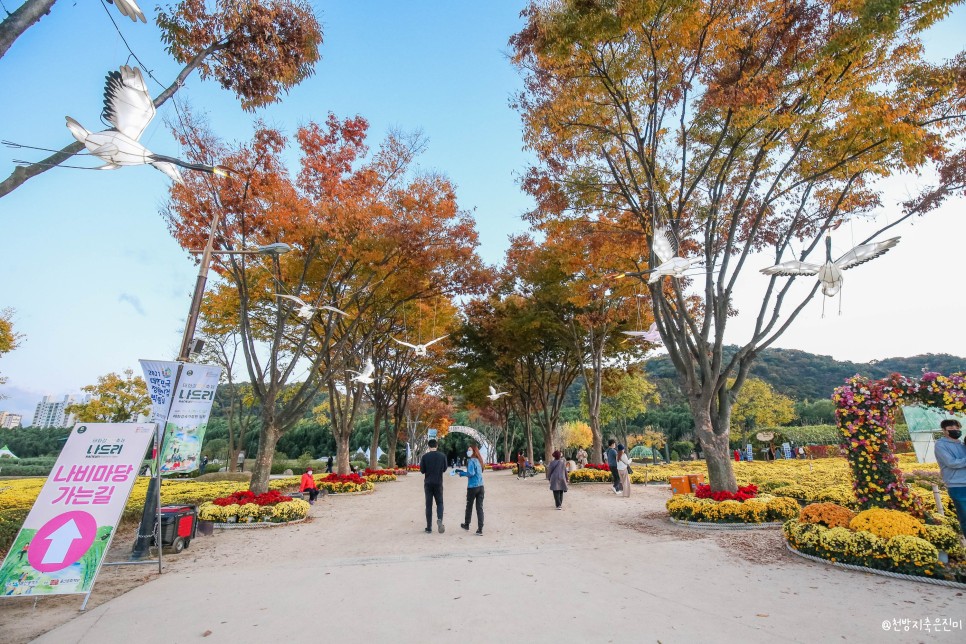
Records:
x=665, y=249
x=651, y=335
x=129, y=108
x=830, y=273
x=306, y=311
x=420, y=348
x=364, y=376
x=130, y=9
x=496, y=395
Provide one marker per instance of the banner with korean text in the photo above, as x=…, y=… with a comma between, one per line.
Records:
x=63, y=540
x=187, y=418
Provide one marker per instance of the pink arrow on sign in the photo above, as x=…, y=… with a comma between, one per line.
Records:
x=62, y=541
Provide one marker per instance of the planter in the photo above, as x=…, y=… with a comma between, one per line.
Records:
x=247, y=526
x=704, y=525
x=874, y=571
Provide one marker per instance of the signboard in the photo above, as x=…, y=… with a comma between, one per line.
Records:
x=787, y=449
x=62, y=542
x=187, y=418
x=749, y=455
x=159, y=376
x=765, y=436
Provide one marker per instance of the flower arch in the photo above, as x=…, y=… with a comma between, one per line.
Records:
x=865, y=410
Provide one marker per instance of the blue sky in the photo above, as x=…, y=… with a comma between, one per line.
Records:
x=97, y=282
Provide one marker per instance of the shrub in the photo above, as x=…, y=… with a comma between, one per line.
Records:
x=798, y=492
x=867, y=550
x=782, y=508
x=838, y=494
x=831, y=515
x=911, y=552
x=888, y=523
x=943, y=537
x=836, y=542
x=674, y=456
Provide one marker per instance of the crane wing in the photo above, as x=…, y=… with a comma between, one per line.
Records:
x=405, y=344
x=293, y=298
x=865, y=252
x=127, y=103
x=436, y=340
x=130, y=9
x=492, y=390
x=169, y=169
x=663, y=244
x=333, y=309
x=792, y=268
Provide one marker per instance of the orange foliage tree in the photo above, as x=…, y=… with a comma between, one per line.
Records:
x=257, y=49
x=741, y=126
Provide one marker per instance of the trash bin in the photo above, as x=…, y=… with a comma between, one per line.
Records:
x=695, y=480
x=680, y=485
x=178, y=526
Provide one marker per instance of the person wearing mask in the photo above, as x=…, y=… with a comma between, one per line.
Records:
x=951, y=456
x=623, y=468
x=474, y=488
x=611, y=455
x=432, y=465
x=308, y=485
x=557, y=475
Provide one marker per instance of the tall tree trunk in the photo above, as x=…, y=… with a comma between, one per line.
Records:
x=15, y=24
x=267, y=438
x=374, y=444
x=342, y=456
x=392, y=438
x=721, y=475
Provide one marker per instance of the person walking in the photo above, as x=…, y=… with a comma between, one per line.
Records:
x=521, y=465
x=328, y=465
x=951, y=456
x=557, y=475
x=582, y=458
x=611, y=455
x=241, y=461
x=308, y=485
x=623, y=467
x=432, y=465
x=474, y=488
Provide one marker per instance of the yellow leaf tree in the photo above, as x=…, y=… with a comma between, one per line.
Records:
x=114, y=399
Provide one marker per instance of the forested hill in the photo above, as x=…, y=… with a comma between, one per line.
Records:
x=803, y=375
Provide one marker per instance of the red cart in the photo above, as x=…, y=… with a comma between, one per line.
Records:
x=179, y=523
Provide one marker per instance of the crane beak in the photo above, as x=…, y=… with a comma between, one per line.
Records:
x=615, y=276
x=223, y=171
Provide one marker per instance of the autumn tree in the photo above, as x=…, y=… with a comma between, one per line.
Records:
x=737, y=127
x=758, y=405
x=257, y=49
x=626, y=395
x=9, y=339
x=116, y=398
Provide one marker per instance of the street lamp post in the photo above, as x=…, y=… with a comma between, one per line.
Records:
x=152, y=501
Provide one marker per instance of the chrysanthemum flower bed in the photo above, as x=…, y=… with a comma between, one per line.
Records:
x=497, y=467
x=751, y=509
x=246, y=507
x=878, y=538
x=380, y=476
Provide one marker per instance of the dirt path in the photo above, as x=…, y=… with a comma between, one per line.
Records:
x=604, y=569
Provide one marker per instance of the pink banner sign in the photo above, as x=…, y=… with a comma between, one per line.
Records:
x=63, y=540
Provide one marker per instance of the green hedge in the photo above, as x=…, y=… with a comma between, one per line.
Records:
x=824, y=434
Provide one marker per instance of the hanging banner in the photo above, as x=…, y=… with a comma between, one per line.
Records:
x=62, y=542
x=159, y=376
x=187, y=418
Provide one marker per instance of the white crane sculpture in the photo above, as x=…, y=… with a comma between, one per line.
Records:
x=129, y=108
x=307, y=311
x=665, y=249
x=364, y=376
x=496, y=395
x=421, y=349
x=130, y=9
x=651, y=335
x=830, y=273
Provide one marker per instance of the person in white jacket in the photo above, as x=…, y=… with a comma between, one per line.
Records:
x=623, y=462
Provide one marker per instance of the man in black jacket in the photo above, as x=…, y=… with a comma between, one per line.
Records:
x=432, y=465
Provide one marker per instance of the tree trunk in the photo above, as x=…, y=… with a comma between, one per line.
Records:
x=528, y=435
x=392, y=438
x=374, y=444
x=721, y=474
x=342, y=455
x=15, y=24
x=267, y=439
